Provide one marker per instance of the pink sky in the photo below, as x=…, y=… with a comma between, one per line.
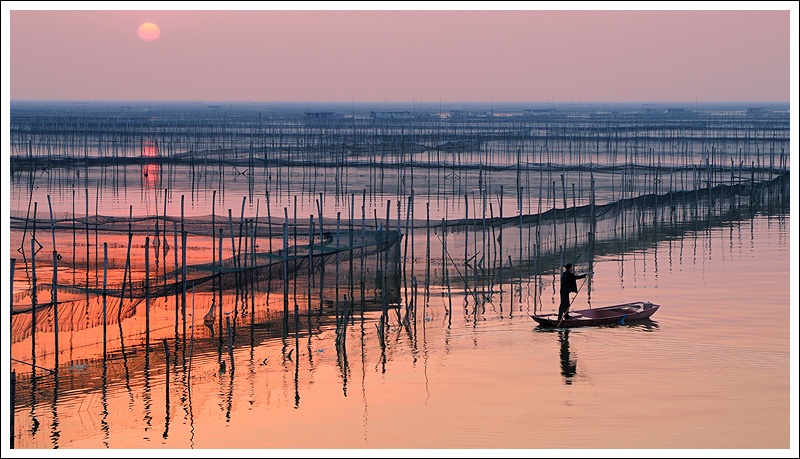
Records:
x=404, y=56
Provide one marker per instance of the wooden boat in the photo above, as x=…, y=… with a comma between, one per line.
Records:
x=616, y=314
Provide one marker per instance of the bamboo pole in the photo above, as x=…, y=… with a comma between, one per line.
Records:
x=13, y=408
x=183, y=266
x=499, y=238
x=310, y=271
x=338, y=253
x=11, y=286
x=126, y=272
x=445, y=255
x=105, y=283
x=269, y=223
x=213, y=244
x=177, y=275
x=566, y=213
x=96, y=239
x=87, y=245
x=575, y=213
x=241, y=228
x=384, y=298
x=410, y=230
x=285, y=273
x=147, y=293
x=253, y=280
x=351, y=273
x=235, y=262
x=164, y=241
x=363, y=244
x=33, y=290
x=54, y=291
x=405, y=249
x=234, y=255
x=221, y=286
x=466, y=231
x=319, y=212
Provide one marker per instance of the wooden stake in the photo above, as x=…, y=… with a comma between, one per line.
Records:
x=147, y=292
x=105, y=283
x=54, y=292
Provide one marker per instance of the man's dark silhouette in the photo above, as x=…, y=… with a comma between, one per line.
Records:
x=568, y=285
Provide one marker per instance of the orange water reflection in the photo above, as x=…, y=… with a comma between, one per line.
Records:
x=151, y=176
x=150, y=149
x=685, y=380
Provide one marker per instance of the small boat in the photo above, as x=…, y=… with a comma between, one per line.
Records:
x=606, y=315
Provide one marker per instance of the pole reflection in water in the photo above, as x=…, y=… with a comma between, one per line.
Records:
x=229, y=395
x=104, y=425
x=569, y=364
x=188, y=377
x=296, y=369
x=166, y=389
x=341, y=362
x=34, y=429
x=147, y=397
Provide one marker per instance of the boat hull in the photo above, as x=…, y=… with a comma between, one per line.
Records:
x=607, y=315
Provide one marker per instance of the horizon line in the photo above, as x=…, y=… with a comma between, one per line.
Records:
x=503, y=102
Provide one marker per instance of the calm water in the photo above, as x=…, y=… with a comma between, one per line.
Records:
x=439, y=350
x=710, y=370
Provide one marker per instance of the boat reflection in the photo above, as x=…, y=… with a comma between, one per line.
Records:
x=645, y=325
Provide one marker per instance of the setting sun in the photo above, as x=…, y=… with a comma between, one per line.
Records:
x=149, y=31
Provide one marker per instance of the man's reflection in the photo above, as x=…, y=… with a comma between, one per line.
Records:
x=568, y=364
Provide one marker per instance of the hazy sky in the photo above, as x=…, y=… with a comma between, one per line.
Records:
x=304, y=54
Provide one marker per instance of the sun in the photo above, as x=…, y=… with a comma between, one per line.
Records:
x=149, y=31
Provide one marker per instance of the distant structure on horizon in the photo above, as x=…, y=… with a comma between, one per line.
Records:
x=757, y=111
x=317, y=116
x=402, y=114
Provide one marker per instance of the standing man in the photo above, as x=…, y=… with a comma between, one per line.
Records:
x=568, y=285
